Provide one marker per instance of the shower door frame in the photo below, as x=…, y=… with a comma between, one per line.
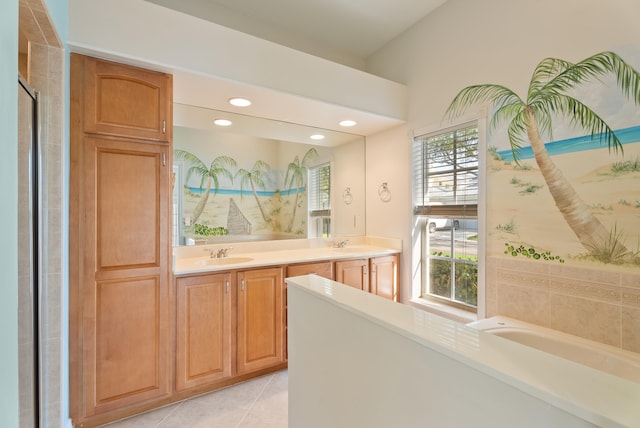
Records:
x=34, y=159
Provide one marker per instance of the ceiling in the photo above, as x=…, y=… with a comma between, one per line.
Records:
x=342, y=31
x=346, y=31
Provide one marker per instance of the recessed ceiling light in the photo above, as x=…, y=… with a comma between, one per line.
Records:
x=222, y=122
x=239, y=102
x=347, y=123
x=317, y=137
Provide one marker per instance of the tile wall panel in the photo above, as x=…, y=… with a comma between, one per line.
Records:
x=601, y=305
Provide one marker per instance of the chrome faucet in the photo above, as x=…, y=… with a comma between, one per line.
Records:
x=340, y=244
x=220, y=253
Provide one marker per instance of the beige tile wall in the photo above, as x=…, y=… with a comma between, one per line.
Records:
x=601, y=305
x=46, y=75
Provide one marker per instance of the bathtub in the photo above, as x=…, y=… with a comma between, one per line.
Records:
x=609, y=359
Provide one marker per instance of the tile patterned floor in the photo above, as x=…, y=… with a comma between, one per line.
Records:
x=257, y=403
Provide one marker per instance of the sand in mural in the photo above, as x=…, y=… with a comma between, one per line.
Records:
x=522, y=212
x=216, y=213
x=242, y=208
x=580, y=198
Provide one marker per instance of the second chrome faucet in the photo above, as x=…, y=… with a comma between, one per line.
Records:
x=219, y=253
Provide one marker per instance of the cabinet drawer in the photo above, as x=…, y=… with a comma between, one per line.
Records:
x=324, y=269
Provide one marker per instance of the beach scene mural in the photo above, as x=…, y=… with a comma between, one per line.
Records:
x=563, y=162
x=235, y=188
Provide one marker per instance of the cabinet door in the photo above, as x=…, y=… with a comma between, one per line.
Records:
x=259, y=319
x=124, y=278
x=127, y=101
x=203, y=330
x=384, y=276
x=354, y=273
x=324, y=269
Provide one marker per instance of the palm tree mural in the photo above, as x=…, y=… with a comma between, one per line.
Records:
x=547, y=97
x=218, y=167
x=295, y=178
x=255, y=178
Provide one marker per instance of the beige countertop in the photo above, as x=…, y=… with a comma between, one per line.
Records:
x=193, y=260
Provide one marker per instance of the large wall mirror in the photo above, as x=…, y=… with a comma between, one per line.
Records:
x=261, y=179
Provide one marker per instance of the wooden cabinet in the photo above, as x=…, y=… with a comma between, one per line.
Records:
x=126, y=101
x=228, y=325
x=120, y=252
x=259, y=319
x=378, y=275
x=354, y=273
x=203, y=330
x=324, y=269
x=384, y=276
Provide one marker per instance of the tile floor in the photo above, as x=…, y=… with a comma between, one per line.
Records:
x=257, y=403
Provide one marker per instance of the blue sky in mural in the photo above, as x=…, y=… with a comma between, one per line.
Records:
x=604, y=98
x=585, y=142
x=267, y=193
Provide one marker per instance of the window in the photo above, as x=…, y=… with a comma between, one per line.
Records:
x=320, y=201
x=445, y=180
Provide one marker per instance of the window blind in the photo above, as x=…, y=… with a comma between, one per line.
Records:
x=445, y=173
x=320, y=190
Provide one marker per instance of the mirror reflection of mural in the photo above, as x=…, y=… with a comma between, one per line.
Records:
x=237, y=186
x=564, y=162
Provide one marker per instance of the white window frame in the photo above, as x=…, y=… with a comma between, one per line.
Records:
x=419, y=227
x=315, y=214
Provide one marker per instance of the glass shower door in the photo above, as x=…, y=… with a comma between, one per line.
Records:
x=28, y=257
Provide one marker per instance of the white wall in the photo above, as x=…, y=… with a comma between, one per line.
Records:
x=467, y=42
x=348, y=171
x=8, y=213
x=388, y=161
x=153, y=34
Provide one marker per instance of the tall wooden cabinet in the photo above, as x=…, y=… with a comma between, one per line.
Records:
x=119, y=238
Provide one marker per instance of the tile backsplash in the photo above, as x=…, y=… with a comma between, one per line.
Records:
x=603, y=306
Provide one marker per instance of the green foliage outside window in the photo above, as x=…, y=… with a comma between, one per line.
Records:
x=466, y=278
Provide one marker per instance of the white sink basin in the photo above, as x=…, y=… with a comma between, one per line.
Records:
x=223, y=261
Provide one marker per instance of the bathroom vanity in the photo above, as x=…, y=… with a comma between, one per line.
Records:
x=150, y=324
x=231, y=311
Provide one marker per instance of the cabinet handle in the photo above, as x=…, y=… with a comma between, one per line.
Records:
x=226, y=288
x=242, y=285
x=164, y=159
x=164, y=126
